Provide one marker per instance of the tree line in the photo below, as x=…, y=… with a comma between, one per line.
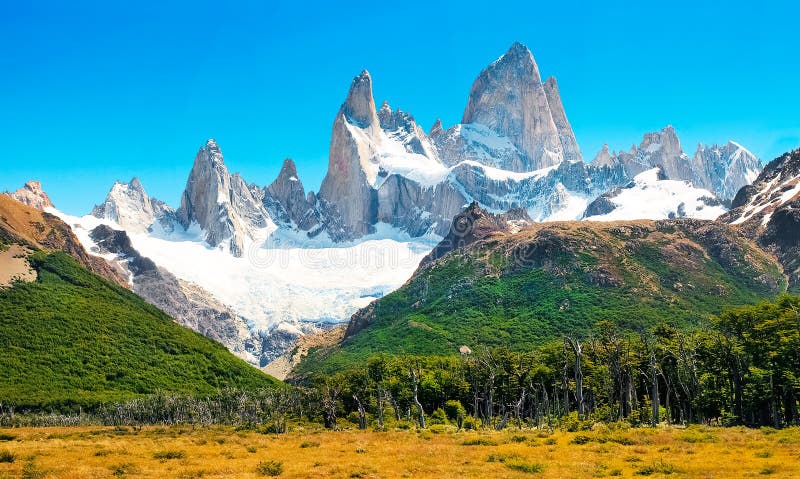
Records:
x=742, y=368
x=739, y=369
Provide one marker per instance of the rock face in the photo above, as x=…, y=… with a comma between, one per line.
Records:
x=475, y=224
x=569, y=145
x=128, y=205
x=725, y=169
x=287, y=195
x=31, y=194
x=220, y=203
x=350, y=168
x=721, y=170
x=509, y=98
x=769, y=212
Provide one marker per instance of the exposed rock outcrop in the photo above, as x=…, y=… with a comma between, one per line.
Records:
x=288, y=195
x=724, y=169
x=28, y=226
x=32, y=194
x=768, y=211
x=128, y=205
x=351, y=171
x=509, y=98
x=222, y=204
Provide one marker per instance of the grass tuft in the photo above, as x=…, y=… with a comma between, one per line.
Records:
x=269, y=468
x=165, y=455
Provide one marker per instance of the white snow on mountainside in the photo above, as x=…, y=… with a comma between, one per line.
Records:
x=649, y=196
x=281, y=286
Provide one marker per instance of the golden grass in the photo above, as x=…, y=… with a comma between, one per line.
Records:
x=184, y=452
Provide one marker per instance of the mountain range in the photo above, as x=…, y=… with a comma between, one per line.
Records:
x=254, y=267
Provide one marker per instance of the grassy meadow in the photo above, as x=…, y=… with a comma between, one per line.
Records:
x=439, y=452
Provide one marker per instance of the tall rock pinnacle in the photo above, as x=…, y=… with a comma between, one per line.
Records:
x=509, y=98
x=288, y=191
x=220, y=203
x=347, y=185
x=359, y=107
x=569, y=144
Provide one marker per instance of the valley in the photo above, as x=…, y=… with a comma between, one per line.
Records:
x=182, y=452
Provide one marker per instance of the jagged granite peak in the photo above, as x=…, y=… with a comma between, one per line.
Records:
x=604, y=158
x=361, y=160
x=569, y=144
x=222, y=204
x=32, y=194
x=359, y=107
x=289, y=195
x=402, y=127
x=509, y=98
x=128, y=205
x=719, y=169
x=725, y=169
x=436, y=129
x=346, y=185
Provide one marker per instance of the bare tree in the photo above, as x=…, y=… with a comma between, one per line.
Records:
x=577, y=350
x=414, y=373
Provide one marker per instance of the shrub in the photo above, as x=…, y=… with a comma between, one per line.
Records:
x=7, y=437
x=455, y=411
x=659, y=467
x=502, y=457
x=534, y=468
x=580, y=439
x=164, y=455
x=478, y=442
x=438, y=416
x=269, y=468
x=7, y=456
x=308, y=444
x=471, y=423
x=120, y=470
x=30, y=471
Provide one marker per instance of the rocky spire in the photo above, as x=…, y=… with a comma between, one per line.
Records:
x=359, y=107
x=569, y=144
x=437, y=128
x=509, y=98
x=603, y=158
x=31, y=194
x=288, y=191
x=348, y=183
x=220, y=203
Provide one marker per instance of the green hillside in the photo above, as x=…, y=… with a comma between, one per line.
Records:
x=549, y=280
x=71, y=339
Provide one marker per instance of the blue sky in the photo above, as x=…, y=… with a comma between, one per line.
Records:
x=93, y=92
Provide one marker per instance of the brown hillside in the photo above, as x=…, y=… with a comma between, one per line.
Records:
x=37, y=229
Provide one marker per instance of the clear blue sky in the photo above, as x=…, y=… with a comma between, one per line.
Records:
x=93, y=92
